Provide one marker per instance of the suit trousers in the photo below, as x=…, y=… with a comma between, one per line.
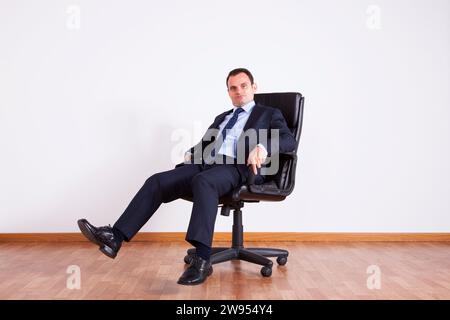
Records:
x=204, y=183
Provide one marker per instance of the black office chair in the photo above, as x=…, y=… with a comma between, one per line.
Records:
x=276, y=189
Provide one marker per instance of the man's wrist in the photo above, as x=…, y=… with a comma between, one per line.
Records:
x=187, y=156
x=261, y=146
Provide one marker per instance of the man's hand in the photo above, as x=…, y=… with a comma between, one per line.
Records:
x=257, y=157
x=187, y=156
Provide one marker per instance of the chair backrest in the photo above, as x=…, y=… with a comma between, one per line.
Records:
x=291, y=105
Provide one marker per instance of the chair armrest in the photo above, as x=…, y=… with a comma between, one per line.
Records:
x=271, y=188
x=285, y=155
x=289, y=155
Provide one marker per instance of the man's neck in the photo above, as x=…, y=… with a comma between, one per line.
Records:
x=246, y=105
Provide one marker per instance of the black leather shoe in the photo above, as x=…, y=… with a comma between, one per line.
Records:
x=197, y=272
x=102, y=236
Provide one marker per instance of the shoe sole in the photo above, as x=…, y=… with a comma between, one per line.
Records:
x=109, y=252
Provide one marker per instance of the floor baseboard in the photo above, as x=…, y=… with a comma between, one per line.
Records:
x=248, y=237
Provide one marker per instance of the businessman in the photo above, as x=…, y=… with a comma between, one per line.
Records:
x=212, y=168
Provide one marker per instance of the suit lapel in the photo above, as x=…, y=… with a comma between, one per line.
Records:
x=257, y=111
x=220, y=118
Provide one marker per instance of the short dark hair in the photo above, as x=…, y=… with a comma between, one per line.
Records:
x=237, y=71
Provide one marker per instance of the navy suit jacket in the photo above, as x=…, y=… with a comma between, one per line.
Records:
x=261, y=117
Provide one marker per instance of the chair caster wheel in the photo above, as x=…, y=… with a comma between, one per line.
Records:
x=281, y=261
x=188, y=259
x=266, y=271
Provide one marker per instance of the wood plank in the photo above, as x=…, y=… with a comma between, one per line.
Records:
x=149, y=270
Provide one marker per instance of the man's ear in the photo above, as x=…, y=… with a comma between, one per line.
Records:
x=255, y=87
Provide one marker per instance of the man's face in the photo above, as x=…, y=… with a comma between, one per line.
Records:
x=240, y=90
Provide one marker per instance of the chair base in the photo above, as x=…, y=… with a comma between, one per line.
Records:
x=237, y=251
x=253, y=255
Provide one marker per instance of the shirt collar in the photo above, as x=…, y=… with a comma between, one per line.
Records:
x=246, y=107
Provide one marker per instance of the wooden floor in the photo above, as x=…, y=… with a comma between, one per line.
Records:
x=149, y=270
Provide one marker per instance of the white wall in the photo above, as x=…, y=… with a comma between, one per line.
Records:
x=87, y=114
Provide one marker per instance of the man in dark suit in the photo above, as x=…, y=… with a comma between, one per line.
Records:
x=220, y=162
